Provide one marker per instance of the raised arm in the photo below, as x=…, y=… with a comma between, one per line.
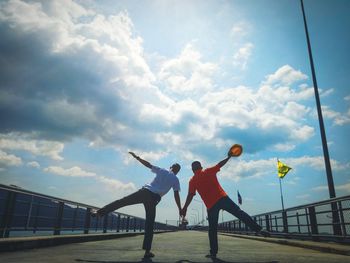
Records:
x=224, y=161
x=144, y=162
x=177, y=200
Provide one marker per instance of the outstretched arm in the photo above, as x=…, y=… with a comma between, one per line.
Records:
x=144, y=162
x=188, y=201
x=224, y=161
x=177, y=200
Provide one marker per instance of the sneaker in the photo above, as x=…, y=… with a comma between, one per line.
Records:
x=148, y=254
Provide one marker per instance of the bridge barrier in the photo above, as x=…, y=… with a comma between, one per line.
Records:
x=26, y=213
x=324, y=220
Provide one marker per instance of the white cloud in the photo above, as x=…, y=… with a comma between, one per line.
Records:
x=109, y=183
x=33, y=164
x=344, y=187
x=339, y=119
x=240, y=30
x=115, y=185
x=9, y=159
x=187, y=73
x=71, y=172
x=267, y=167
x=241, y=57
x=285, y=75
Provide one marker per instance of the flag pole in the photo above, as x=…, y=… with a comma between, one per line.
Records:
x=281, y=193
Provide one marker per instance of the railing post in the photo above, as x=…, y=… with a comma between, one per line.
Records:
x=59, y=215
x=127, y=223
x=335, y=219
x=118, y=223
x=8, y=214
x=313, y=220
x=285, y=221
x=87, y=220
x=134, y=224
x=105, y=223
x=74, y=217
x=298, y=222
x=267, y=220
x=342, y=221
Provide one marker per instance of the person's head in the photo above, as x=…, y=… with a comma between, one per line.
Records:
x=196, y=165
x=175, y=168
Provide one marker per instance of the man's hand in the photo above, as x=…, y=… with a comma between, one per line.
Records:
x=133, y=155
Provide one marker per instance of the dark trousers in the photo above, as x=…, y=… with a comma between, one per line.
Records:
x=149, y=200
x=228, y=205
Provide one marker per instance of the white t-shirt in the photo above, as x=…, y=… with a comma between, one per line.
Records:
x=163, y=181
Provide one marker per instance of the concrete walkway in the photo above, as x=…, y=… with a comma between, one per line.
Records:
x=178, y=247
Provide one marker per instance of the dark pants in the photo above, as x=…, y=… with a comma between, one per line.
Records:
x=228, y=205
x=149, y=200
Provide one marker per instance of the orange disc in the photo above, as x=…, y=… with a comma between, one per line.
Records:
x=236, y=150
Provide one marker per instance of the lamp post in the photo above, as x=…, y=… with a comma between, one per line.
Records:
x=202, y=209
x=336, y=226
x=197, y=213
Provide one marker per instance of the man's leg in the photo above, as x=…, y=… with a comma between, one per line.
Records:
x=228, y=205
x=213, y=215
x=135, y=198
x=150, y=208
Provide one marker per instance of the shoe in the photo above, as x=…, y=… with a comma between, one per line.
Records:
x=148, y=254
x=264, y=233
x=213, y=256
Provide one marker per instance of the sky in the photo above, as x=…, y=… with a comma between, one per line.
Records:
x=84, y=82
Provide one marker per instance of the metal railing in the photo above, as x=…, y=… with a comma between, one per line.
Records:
x=311, y=221
x=26, y=213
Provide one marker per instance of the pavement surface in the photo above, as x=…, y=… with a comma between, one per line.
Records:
x=178, y=247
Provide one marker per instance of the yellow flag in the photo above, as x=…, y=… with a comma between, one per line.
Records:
x=282, y=169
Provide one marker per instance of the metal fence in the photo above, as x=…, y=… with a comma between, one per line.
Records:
x=325, y=220
x=25, y=213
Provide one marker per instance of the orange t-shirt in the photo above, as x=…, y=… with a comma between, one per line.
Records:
x=206, y=184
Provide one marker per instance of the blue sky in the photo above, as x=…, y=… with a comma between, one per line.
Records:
x=84, y=82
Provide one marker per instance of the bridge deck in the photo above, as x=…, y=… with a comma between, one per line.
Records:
x=179, y=247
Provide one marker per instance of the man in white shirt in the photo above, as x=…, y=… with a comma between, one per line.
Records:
x=149, y=195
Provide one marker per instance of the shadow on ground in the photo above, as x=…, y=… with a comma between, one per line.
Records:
x=217, y=260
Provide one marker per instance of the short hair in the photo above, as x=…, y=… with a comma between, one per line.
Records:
x=176, y=167
x=196, y=165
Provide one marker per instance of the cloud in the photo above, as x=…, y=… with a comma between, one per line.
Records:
x=187, y=73
x=240, y=30
x=338, y=118
x=115, y=185
x=285, y=75
x=344, y=187
x=267, y=167
x=9, y=159
x=85, y=75
x=76, y=171
x=241, y=57
x=33, y=164
x=70, y=172
x=15, y=141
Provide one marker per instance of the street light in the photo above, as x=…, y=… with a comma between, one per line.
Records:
x=194, y=209
x=202, y=208
x=331, y=190
x=195, y=217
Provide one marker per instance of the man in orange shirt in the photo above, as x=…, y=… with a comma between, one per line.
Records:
x=206, y=184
